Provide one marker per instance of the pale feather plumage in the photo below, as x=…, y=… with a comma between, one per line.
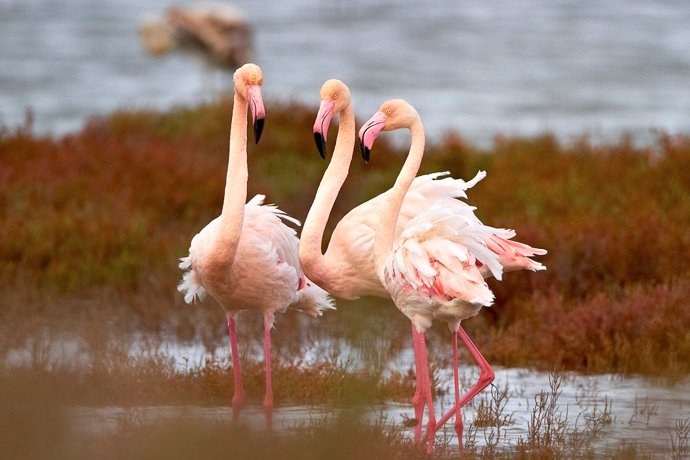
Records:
x=453, y=252
x=265, y=273
x=438, y=263
x=351, y=248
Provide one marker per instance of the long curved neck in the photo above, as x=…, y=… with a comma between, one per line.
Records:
x=385, y=233
x=232, y=214
x=312, y=259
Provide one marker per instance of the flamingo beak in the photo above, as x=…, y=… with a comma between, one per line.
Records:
x=256, y=104
x=323, y=120
x=368, y=133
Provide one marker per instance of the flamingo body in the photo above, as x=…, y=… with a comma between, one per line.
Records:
x=265, y=273
x=437, y=267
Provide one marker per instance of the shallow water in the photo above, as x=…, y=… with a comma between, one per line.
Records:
x=573, y=67
x=628, y=399
x=642, y=410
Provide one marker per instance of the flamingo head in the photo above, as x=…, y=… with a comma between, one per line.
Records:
x=335, y=96
x=393, y=114
x=248, y=81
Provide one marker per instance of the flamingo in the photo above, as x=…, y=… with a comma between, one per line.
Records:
x=435, y=268
x=247, y=258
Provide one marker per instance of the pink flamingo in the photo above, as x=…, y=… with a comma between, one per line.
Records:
x=247, y=258
x=435, y=267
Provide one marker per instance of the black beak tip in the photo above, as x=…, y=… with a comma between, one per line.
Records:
x=365, y=152
x=320, y=144
x=258, y=129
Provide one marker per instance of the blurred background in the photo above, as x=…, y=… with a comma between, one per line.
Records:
x=523, y=67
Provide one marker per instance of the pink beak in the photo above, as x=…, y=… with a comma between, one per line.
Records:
x=368, y=133
x=256, y=104
x=323, y=120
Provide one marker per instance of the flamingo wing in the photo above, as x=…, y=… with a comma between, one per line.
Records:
x=514, y=255
x=424, y=192
x=430, y=188
x=436, y=188
x=440, y=253
x=266, y=223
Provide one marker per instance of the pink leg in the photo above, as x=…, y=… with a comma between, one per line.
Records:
x=486, y=376
x=419, y=398
x=268, y=400
x=456, y=381
x=431, y=424
x=238, y=397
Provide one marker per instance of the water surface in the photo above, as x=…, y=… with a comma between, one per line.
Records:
x=642, y=412
x=574, y=67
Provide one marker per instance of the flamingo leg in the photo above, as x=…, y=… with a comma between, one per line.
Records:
x=268, y=400
x=486, y=376
x=418, y=399
x=238, y=396
x=431, y=424
x=456, y=380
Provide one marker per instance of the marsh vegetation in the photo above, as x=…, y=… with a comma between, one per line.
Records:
x=93, y=224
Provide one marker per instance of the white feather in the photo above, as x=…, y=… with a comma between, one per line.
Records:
x=265, y=273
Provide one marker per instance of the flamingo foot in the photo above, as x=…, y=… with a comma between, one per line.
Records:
x=458, y=425
x=418, y=415
x=430, y=434
x=268, y=412
x=237, y=405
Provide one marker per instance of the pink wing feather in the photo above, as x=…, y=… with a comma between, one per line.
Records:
x=446, y=252
x=438, y=251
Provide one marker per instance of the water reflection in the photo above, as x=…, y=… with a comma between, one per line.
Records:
x=636, y=409
x=642, y=411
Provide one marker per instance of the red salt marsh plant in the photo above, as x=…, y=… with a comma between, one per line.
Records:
x=642, y=330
